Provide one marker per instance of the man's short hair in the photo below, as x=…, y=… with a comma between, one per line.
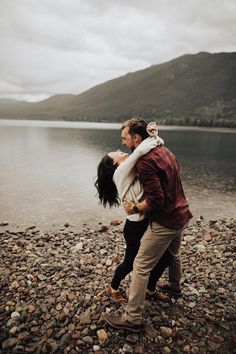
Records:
x=136, y=126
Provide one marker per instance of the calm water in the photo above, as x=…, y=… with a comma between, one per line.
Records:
x=47, y=171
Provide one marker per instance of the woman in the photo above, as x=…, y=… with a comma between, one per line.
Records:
x=116, y=180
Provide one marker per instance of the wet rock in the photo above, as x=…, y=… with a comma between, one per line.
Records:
x=116, y=222
x=4, y=223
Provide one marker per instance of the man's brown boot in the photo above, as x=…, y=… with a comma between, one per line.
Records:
x=120, y=322
x=156, y=296
x=116, y=296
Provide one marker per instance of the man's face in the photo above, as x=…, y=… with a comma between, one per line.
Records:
x=127, y=139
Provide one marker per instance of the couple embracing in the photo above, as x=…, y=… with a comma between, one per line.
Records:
x=149, y=185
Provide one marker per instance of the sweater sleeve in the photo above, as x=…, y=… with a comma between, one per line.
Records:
x=126, y=172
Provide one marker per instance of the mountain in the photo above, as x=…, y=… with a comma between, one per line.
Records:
x=194, y=89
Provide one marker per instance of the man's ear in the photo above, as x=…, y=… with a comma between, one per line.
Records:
x=137, y=139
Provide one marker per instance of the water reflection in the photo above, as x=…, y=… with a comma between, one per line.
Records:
x=47, y=174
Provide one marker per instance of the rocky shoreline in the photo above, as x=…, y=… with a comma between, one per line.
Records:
x=53, y=300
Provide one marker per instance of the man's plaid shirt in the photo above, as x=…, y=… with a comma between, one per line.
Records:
x=159, y=174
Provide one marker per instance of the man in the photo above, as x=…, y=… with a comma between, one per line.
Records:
x=169, y=215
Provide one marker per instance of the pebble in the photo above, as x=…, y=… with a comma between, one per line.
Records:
x=132, y=338
x=127, y=348
x=166, y=332
x=199, y=248
x=207, y=237
x=96, y=348
x=88, y=339
x=116, y=222
x=15, y=315
x=189, y=238
x=9, y=343
x=102, y=335
x=151, y=331
x=53, y=297
x=4, y=223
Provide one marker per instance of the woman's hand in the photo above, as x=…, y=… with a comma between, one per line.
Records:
x=152, y=129
x=128, y=206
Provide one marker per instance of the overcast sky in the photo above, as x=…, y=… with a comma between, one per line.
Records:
x=67, y=46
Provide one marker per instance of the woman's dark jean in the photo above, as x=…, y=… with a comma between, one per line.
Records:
x=133, y=232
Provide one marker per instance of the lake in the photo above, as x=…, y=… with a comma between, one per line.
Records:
x=48, y=171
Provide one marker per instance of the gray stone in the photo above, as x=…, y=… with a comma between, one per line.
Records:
x=9, y=343
x=199, y=247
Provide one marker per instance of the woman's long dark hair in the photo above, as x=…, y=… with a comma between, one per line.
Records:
x=107, y=192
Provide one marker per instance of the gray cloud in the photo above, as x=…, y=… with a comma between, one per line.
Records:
x=68, y=46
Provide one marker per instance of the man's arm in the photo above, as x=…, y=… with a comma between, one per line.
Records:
x=149, y=178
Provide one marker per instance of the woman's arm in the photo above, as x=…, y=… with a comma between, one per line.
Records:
x=125, y=172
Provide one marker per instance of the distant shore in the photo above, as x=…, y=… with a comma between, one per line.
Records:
x=101, y=125
x=53, y=299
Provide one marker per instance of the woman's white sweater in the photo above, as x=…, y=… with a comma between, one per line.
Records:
x=125, y=177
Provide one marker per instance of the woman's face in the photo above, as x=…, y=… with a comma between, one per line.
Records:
x=118, y=156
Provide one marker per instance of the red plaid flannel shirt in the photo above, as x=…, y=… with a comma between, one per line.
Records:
x=163, y=191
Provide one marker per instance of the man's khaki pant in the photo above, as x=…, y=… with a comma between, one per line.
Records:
x=153, y=244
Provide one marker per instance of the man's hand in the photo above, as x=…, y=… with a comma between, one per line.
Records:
x=128, y=206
